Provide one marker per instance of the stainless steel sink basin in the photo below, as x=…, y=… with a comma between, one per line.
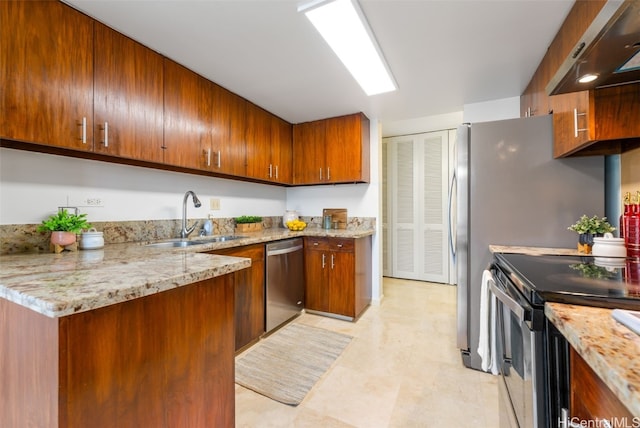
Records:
x=184, y=243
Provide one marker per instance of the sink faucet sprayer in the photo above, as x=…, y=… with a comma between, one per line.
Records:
x=185, y=231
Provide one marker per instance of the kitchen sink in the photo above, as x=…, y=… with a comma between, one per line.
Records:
x=184, y=243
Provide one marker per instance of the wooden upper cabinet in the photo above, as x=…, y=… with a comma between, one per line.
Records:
x=606, y=114
x=281, y=150
x=308, y=152
x=268, y=140
x=228, y=146
x=258, y=143
x=334, y=150
x=347, y=148
x=187, y=118
x=46, y=74
x=128, y=115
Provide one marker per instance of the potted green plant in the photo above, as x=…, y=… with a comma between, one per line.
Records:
x=589, y=227
x=248, y=223
x=64, y=227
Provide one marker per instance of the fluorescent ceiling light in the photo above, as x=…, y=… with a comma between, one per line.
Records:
x=345, y=29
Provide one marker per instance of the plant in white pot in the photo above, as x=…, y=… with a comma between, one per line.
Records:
x=589, y=227
x=64, y=227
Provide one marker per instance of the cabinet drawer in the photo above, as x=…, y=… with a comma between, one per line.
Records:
x=330, y=244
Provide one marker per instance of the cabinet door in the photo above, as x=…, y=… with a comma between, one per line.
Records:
x=228, y=146
x=249, y=294
x=281, y=150
x=309, y=153
x=573, y=121
x=316, y=280
x=341, y=283
x=258, y=143
x=187, y=118
x=46, y=74
x=344, y=149
x=128, y=116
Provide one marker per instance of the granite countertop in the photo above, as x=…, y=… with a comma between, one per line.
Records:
x=610, y=348
x=58, y=285
x=534, y=251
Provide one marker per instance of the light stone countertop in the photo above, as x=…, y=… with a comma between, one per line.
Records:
x=610, y=348
x=58, y=285
x=535, y=251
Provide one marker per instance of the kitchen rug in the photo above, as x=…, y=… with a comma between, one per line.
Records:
x=285, y=365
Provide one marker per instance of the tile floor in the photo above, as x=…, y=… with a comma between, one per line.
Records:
x=402, y=369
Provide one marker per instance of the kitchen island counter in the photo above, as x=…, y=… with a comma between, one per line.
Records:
x=608, y=347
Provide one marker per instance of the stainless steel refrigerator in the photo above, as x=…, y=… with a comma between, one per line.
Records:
x=510, y=191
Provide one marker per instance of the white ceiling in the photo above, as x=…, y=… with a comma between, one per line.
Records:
x=443, y=54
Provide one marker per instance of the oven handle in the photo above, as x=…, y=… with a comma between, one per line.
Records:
x=507, y=301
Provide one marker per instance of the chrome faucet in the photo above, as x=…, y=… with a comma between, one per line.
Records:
x=185, y=231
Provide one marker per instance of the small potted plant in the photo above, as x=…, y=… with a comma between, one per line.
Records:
x=64, y=227
x=589, y=227
x=248, y=223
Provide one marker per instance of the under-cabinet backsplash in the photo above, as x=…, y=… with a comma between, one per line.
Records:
x=24, y=238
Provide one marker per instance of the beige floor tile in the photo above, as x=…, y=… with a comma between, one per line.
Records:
x=402, y=369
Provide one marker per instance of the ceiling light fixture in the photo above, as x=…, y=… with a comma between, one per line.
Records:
x=344, y=27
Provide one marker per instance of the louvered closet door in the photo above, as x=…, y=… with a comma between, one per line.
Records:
x=417, y=221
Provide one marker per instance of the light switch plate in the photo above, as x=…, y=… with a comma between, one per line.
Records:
x=214, y=204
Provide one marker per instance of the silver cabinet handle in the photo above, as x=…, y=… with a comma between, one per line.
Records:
x=320, y=174
x=276, y=172
x=333, y=261
x=105, y=130
x=83, y=130
x=575, y=122
x=219, y=159
x=323, y=263
x=339, y=245
x=328, y=173
x=209, y=157
x=270, y=171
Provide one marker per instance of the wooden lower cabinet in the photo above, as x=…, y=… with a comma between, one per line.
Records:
x=164, y=360
x=337, y=275
x=249, y=295
x=591, y=399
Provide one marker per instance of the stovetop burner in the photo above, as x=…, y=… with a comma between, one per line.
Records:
x=585, y=280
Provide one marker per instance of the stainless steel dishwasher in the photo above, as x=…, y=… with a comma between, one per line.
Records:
x=285, y=282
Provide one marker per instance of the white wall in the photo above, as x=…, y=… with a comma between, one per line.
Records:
x=422, y=124
x=34, y=185
x=505, y=108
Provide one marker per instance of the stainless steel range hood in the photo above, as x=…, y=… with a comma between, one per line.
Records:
x=609, y=49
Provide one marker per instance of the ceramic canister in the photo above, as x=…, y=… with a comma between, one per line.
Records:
x=608, y=246
x=91, y=240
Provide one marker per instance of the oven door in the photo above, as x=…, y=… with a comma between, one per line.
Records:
x=521, y=366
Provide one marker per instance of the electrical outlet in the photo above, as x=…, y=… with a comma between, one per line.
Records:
x=214, y=204
x=84, y=200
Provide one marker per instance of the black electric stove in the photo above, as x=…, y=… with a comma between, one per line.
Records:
x=583, y=280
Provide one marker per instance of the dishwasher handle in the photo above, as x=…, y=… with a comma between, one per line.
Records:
x=284, y=250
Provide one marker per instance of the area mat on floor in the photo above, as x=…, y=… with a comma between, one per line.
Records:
x=285, y=365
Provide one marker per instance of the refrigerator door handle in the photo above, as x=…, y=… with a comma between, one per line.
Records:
x=454, y=185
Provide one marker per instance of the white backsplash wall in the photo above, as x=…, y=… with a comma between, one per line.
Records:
x=34, y=185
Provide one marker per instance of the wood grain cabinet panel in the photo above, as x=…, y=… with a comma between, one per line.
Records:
x=249, y=295
x=590, y=398
x=334, y=150
x=606, y=114
x=128, y=101
x=281, y=150
x=229, y=121
x=338, y=275
x=164, y=360
x=258, y=143
x=46, y=74
x=187, y=118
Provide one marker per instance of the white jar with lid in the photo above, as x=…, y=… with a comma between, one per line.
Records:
x=91, y=240
x=608, y=246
